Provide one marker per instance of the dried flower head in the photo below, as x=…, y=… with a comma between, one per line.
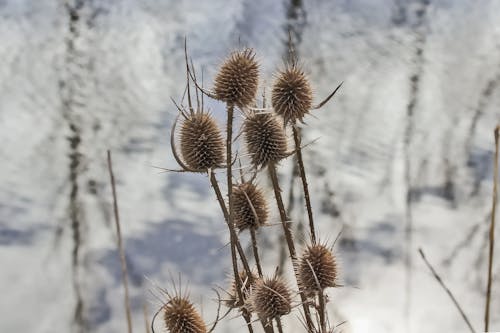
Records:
x=237, y=80
x=246, y=285
x=202, y=146
x=292, y=94
x=316, y=269
x=180, y=316
x=270, y=298
x=249, y=206
x=265, y=138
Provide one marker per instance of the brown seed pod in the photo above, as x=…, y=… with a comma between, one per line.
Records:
x=249, y=206
x=316, y=269
x=202, y=146
x=292, y=94
x=265, y=138
x=237, y=80
x=270, y=298
x=180, y=316
x=233, y=294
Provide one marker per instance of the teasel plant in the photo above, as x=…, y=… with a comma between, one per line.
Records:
x=202, y=149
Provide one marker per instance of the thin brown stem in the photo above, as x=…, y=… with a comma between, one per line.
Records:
x=492, y=236
x=230, y=222
x=255, y=249
x=448, y=291
x=120, y=245
x=288, y=236
x=322, y=311
x=305, y=186
x=278, y=323
x=225, y=212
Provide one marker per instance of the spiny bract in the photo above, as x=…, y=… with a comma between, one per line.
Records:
x=292, y=94
x=181, y=317
x=250, y=206
x=238, y=78
x=265, y=138
x=316, y=269
x=202, y=146
x=270, y=298
x=246, y=285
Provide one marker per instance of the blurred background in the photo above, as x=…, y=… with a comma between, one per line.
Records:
x=403, y=158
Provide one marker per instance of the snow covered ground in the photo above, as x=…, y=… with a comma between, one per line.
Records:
x=413, y=123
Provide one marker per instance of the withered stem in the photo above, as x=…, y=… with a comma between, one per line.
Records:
x=298, y=152
x=255, y=249
x=230, y=221
x=492, y=235
x=120, y=245
x=289, y=238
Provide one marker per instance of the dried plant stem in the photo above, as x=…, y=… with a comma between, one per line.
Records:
x=440, y=281
x=230, y=221
x=120, y=245
x=278, y=323
x=492, y=236
x=302, y=172
x=322, y=311
x=255, y=249
x=235, y=244
x=288, y=236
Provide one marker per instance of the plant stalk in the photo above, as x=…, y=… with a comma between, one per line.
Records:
x=289, y=238
x=298, y=152
x=120, y=246
x=492, y=236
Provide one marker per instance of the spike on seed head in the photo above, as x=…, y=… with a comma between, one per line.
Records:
x=237, y=80
x=232, y=302
x=249, y=206
x=316, y=269
x=202, y=146
x=270, y=297
x=180, y=316
x=265, y=138
x=292, y=94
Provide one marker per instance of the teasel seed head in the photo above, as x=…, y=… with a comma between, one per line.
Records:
x=265, y=138
x=249, y=206
x=292, y=94
x=270, y=297
x=180, y=316
x=237, y=80
x=232, y=302
x=316, y=269
x=202, y=145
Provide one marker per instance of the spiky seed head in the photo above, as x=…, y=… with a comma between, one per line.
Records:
x=249, y=206
x=270, y=297
x=202, y=146
x=232, y=302
x=317, y=262
x=180, y=316
x=265, y=138
x=292, y=94
x=238, y=77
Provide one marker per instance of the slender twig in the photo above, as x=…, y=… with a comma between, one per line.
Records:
x=230, y=221
x=302, y=172
x=492, y=236
x=256, y=251
x=278, y=323
x=120, y=245
x=288, y=236
x=220, y=199
x=448, y=291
